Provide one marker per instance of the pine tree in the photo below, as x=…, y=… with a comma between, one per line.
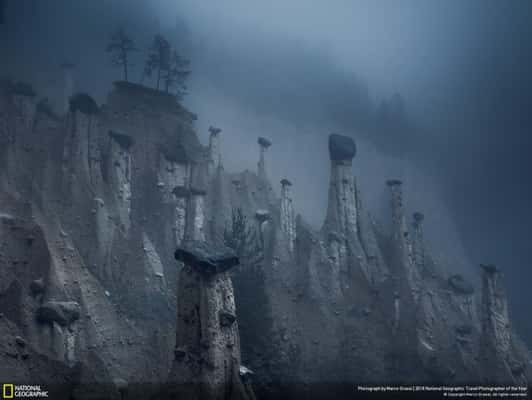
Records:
x=158, y=58
x=177, y=73
x=119, y=47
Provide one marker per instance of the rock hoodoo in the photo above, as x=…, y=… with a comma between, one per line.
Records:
x=342, y=149
x=93, y=205
x=418, y=245
x=196, y=215
x=207, y=352
x=495, y=321
x=355, y=244
x=215, y=155
x=404, y=258
x=264, y=145
x=342, y=205
x=288, y=220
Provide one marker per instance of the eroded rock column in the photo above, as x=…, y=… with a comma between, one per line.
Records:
x=195, y=225
x=153, y=265
x=288, y=220
x=337, y=256
x=120, y=172
x=59, y=317
x=500, y=361
x=215, y=155
x=463, y=293
x=171, y=174
x=343, y=214
x=264, y=144
x=396, y=311
x=263, y=218
x=181, y=194
x=401, y=238
x=495, y=321
x=342, y=207
x=81, y=154
x=207, y=352
x=173, y=179
x=418, y=247
x=345, y=218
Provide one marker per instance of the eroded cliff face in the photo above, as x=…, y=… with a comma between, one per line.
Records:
x=348, y=303
x=94, y=204
x=100, y=191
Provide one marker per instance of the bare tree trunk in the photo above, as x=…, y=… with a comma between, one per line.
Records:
x=158, y=77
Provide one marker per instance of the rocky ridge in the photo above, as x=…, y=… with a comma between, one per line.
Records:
x=95, y=203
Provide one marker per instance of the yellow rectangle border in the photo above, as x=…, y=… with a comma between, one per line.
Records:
x=7, y=387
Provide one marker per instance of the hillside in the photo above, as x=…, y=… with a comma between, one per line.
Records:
x=94, y=204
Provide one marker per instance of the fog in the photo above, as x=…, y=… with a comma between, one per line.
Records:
x=435, y=93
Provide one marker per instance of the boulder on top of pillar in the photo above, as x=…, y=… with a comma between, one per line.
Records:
x=214, y=131
x=418, y=217
x=262, y=215
x=214, y=147
x=341, y=148
x=207, y=258
x=285, y=182
x=263, y=142
x=394, y=182
x=489, y=268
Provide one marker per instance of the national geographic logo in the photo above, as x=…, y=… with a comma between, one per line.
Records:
x=11, y=391
x=7, y=391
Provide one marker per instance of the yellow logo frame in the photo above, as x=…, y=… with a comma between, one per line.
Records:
x=8, y=390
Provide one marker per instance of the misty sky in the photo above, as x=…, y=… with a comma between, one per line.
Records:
x=295, y=71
